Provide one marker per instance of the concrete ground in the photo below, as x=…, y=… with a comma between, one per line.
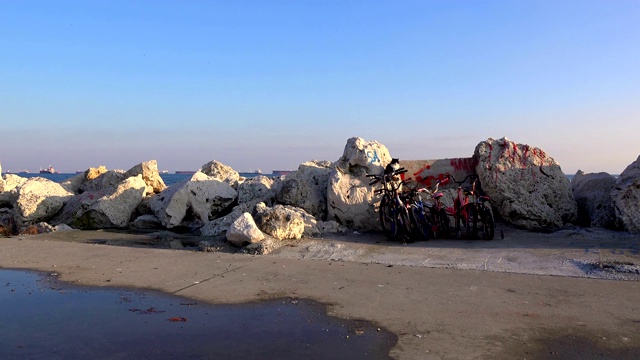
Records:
x=572, y=294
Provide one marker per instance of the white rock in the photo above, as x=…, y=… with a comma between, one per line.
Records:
x=593, y=196
x=150, y=175
x=111, y=207
x=258, y=189
x=219, y=171
x=263, y=247
x=350, y=199
x=38, y=199
x=63, y=227
x=200, y=195
x=626, y=198
x=244, y=231
x=364, y=156
x=9, y=194
x=280, y=221
x=307, y=188
x=526, y=186
x=331, y=226
x=11, y=181
x=104, y=180
x=220, y=226
x=73, y=183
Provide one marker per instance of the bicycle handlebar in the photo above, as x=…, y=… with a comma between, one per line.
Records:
x=463, y=180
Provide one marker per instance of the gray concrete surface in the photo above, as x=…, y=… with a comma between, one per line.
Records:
x=525, y=297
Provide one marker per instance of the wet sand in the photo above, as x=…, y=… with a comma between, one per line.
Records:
x=528, y=296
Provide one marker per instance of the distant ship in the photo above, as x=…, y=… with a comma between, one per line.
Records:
x=281, y=172
x=49, y=170
x=188, y=172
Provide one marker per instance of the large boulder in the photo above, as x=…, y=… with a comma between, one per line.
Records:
x=73, y=183
x=350, y=199
x=109, y=207
x=526, y=186
x=280, y=221
x=626, y=198
x=219, y=171
x=307, y=188
x=593, y=196
x=8, y=224
x=95, y=181
x=244, y=231
x=92, y=173
x=9, y=194
x=219, y=226
x=39, y=199
x=259, y=189
x=150, y=175
x=145, y=222
x=201, y=196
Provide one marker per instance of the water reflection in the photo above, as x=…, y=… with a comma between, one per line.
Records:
x=46, y=319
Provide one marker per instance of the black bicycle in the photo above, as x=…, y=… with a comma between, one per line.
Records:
x=393, y=209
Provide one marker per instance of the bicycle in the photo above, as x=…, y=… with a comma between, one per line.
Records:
x=393, y=213
x=435, y=210
x=419, y=215
x=474, y=215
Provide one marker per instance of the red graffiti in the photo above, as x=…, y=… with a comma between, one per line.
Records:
x=426, y=167
x=430, y=180
x=464, y=164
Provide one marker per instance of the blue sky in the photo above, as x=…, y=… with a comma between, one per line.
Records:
x=271, y=84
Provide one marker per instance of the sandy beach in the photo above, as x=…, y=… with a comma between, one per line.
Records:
x=570, y=294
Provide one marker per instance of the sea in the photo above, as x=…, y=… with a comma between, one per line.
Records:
x=167, y=178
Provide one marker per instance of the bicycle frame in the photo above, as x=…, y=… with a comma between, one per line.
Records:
x=469, y=209
x=460, y=210
x=392, y=197
x=437, y=212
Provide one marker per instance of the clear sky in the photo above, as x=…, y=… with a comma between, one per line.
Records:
x=271, y=84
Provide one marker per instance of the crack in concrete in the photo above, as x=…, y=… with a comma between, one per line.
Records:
x=209, y=278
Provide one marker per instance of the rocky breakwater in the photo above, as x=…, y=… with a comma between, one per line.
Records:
x=526, y=186
x=605, y=201
x=625, y=197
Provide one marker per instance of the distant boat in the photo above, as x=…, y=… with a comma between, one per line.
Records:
x=164, y=172
x=188, y=172
x=49, y=170
x=281, y=172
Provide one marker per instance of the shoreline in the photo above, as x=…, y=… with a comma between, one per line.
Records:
x=437, y=312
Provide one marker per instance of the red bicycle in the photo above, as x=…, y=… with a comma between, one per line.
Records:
x=435, y=212
x=470, y=211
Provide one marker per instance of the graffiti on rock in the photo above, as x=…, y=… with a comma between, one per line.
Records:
x=373, y=157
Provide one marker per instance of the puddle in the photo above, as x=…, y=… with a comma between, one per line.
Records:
x=46, y=318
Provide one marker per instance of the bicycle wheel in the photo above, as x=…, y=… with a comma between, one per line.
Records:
x=444, y=227
x=421, y=224
x=388, y=215
x=472, y=226
x=404, y=225
x=487, y=226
